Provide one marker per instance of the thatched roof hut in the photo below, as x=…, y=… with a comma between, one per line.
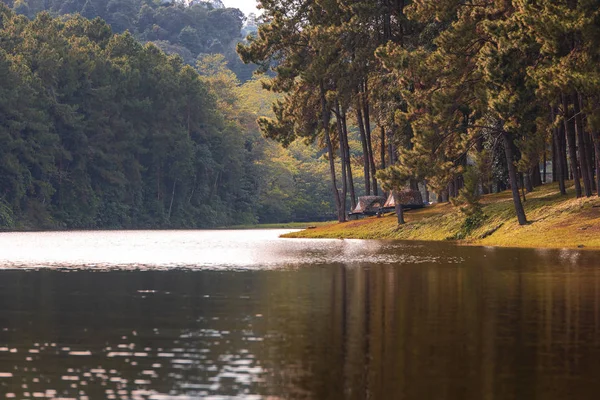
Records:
x=409, y=199
x=368, y=205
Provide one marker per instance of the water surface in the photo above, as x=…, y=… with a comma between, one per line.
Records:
x=244, y=314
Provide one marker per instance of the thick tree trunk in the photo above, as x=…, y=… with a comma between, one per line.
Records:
x=398, y=207
x=349, y=162
x=363, y=141
x=582, y=149
x=512, y=175
x=325, y=118
x=536, y=176
x=570, y=133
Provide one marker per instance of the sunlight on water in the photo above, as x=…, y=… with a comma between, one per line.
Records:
x=238, y=249
x=247, y=315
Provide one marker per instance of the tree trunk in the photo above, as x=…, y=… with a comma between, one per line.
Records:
x=589, y=144
x=363, y=141
x=171, y=203
x=545, y=167
x=398, y=207
x=390, y=148
x=570, y=133
x=348, y=162
x=369, y=141
x=326, y=116
x=536, y=176
x=596, y=137
x=382, y=150
x=558, y=166
x=528, y=182
x=512, y=175
x=554, y=156
x=562, y=140
x=522, y=185
x=342, y=149
x=582, y=149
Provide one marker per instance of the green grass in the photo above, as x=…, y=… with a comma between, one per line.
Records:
x=555, y=221
x=286, y=225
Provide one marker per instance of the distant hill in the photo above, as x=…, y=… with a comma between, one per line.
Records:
x=189, y=28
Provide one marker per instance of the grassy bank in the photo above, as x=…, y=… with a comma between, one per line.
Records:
x=554, y=221
x=282, y=225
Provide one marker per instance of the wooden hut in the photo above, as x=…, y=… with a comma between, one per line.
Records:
x=368, y=205
x=410, y=200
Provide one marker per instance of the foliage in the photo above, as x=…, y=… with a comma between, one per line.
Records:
x=189, y=29
x=393, y=178
x=100, y=131
x=469, y=195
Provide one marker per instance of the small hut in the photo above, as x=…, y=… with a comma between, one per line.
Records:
x=410, y=200
x=368, y=205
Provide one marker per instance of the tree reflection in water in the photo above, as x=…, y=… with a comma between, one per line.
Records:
x=469, y=323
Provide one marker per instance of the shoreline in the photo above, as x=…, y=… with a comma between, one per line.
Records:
x=555, y=222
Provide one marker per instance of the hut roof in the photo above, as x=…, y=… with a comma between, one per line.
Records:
x=369, y=204
x=407, y=197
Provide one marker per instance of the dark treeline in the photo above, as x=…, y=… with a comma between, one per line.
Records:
x=189, y=29
x=452, y=97
x=100, y=131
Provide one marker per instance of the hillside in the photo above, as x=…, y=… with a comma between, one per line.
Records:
x=100, y=131
x=555, y=222
x=188, y=29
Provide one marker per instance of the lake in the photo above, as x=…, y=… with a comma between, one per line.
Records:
x=244, y=314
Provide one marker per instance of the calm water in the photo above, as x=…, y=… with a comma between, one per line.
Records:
x=243, y=314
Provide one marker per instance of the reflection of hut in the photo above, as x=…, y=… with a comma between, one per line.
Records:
x=410, y=199
x=368, y=205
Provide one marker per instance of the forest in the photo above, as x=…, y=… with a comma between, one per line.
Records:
x=454, y=98
x=186, y=29
x=103, y=130
x=146, y=114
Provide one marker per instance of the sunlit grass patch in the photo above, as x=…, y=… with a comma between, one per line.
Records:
x=282, y=225
x=554, y=221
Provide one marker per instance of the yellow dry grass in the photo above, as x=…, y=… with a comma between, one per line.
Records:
x=554, y=221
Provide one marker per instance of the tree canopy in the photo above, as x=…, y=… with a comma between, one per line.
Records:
x=100, y=131
x=189, y=29
x=437, y=88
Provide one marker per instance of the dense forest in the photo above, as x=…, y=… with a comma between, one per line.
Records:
x=453, y=98
x=188, y=29
x=138, y=113
x=101, y=131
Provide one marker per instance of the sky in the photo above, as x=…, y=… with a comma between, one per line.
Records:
x=247, y=6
